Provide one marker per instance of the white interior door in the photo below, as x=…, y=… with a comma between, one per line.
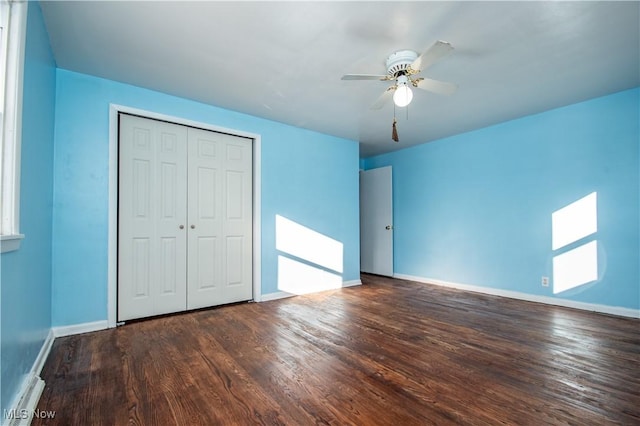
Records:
x=376, y=221
x=152, y=213
x=220, y=222
x=185, y=208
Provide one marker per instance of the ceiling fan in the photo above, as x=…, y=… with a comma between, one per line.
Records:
x=402, y=67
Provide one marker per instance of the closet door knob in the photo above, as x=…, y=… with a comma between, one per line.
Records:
x=193, y=227
x=181, y=227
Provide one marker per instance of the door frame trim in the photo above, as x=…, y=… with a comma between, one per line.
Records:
x=112, y=250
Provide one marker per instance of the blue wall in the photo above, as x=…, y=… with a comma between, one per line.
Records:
x=26, y=273
x=476, y=208
x=306, y=176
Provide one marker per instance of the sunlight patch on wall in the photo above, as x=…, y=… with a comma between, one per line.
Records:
x=575, y=221
x=299, y=278
x=577, y=266
x=309, y=261
x=307, y=244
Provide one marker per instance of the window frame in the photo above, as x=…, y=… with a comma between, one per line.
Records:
x=12, y=48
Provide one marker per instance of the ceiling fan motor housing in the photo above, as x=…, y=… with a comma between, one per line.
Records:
x=398, y=62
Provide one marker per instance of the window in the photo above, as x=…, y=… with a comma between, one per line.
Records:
x=13, y=16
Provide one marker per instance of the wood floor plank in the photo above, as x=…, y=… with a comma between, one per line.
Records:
x=387, y=352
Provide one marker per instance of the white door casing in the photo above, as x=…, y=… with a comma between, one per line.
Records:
x=188, y=195
x=376, y=221
x=152, y=210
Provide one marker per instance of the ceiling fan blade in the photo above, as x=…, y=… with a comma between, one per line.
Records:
x=430, y=56
x=364, y=77
x=384, y=98
x=436, y=86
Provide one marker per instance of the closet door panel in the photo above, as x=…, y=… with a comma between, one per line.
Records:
x=205, y=219
x=151, y=209
x=184, y=218
x=220, y=210
x=238, y=223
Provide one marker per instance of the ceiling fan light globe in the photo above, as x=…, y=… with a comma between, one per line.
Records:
x=402, y=96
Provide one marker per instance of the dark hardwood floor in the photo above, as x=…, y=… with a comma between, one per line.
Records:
x=390, y=352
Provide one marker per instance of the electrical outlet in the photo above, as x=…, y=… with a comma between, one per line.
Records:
x=545, y=281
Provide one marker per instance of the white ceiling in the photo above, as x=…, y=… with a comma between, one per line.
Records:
x=283, y=60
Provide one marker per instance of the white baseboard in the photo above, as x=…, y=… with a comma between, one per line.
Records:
x=283, y=294
x=24, y=405
x=275, y=296
x=351, y=283
x=24, y=410
x=68, y=330
x=594, y=307
x=43, y=354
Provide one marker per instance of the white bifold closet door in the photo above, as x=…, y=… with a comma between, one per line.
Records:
x=184, y=218
x=220, y=219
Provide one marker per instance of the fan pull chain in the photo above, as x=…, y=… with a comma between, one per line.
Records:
x=394, y=129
